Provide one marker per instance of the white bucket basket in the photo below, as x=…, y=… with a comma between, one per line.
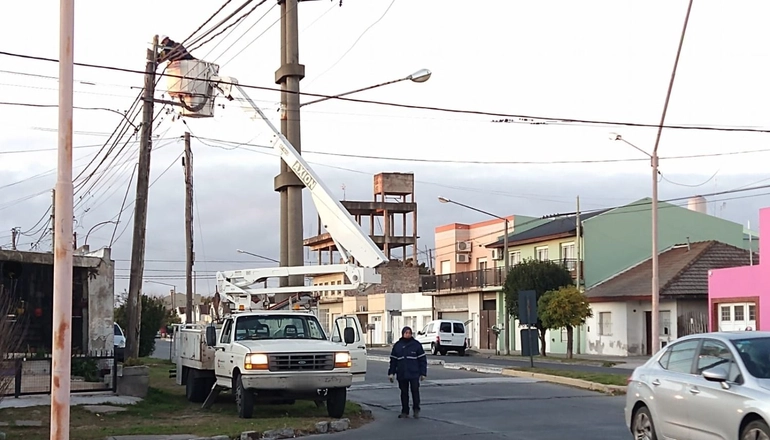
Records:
x=195, y=90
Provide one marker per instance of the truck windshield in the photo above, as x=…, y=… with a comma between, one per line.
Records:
x=277, y=327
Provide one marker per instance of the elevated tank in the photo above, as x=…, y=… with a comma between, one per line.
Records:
x=698, y=204
x=194, y=90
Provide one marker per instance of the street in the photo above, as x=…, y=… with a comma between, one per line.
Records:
x=460, y=404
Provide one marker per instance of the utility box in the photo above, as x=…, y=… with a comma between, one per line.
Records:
x=529, y=342
x=190, y=84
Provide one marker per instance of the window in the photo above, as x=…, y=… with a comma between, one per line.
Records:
x=563, y=335
x=446, y=327
x=255, y=327
x=458, y=327
x=426, y=319
x=430, y=328
x=714, y=353
x=605, y=323
x=754, y=353
x=664, y=323
x=227, y=331
x=568, y=251
x=680, y=356
x=515, y=258
x=725, y=313
x=481, y=263
x=116, y=330
x=339, y=328
x=752, y=312
x=541, y=253
x=738, y=312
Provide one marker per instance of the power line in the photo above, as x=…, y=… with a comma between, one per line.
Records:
x=215, y=27
x=507, y=117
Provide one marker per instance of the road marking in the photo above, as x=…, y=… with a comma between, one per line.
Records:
x=449, y=383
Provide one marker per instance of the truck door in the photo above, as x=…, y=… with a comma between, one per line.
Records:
x=357, y=348
x=223, y=359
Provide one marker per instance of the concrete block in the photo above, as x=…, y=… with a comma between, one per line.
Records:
x=322, y=427
x=339, y=425
x=135, y=381
x=366, y=412
x=103, y=409
x=251, y=435
x=30, y=423
x=276, y=434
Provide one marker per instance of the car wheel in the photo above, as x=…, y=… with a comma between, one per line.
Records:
x=433, y=349
x=756, y=430
x=642, y=427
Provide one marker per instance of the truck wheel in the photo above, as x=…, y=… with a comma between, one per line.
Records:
x=195, y=388
x=335, y=402
x=433, y=349
x=244, y=399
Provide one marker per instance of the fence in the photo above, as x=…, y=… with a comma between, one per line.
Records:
x=691, y=323
x=27, y=374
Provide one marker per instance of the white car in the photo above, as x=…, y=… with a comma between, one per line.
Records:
x=444, y=335
x=119, y=342
x=703, y=386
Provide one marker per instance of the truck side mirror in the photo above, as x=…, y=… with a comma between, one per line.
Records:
x=350, y=335
x=211, y=336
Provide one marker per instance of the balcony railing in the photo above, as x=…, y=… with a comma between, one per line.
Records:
x=478, y=279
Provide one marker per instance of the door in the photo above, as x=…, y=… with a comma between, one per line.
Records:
x=648, y=332
x=737, y=317
x=357, y=349
x=715, y=411
x=487, y=338
x=224, y=361
x=671, y=390
x=377, y=321
x=427, y=336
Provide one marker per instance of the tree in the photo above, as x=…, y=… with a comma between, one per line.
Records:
x=567, y=308
x=540, y=276
x=154, y=316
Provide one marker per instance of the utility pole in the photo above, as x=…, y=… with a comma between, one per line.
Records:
x=286, y=183
x=14, y=236
x=61, y=367
x=188, y=225
x=53, y=218
x=140, y=213
x=578, y=260
x=507, y=268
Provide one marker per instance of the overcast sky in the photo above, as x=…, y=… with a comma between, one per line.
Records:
x=602, y=61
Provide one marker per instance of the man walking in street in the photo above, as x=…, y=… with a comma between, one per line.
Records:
x=410, y=366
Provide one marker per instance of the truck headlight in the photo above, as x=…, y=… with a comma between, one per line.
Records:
x=255, y=361
x=342, y=360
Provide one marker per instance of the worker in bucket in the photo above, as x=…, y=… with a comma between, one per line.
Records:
x=172, y=51
x=410, y=366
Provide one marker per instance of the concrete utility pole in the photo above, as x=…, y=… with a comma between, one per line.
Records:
x=188, y=225
x=14, y=237
x=62, y=227
x=140, y=213
x=53, y=218
x=578, y=259
x=286, y=183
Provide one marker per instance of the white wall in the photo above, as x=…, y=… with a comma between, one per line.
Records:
x=517, y=338
x=474, y=309
x=628, y=329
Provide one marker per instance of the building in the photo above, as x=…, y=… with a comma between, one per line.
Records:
x=27, y=278
x=738, y=296
x=391, y=219
x=467, y=286
x=611, y=241
x=622, y=308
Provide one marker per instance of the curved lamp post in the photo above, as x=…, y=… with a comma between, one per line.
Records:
x=420, y=76
x=85, y=242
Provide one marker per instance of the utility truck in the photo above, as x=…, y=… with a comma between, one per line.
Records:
x=259, y=352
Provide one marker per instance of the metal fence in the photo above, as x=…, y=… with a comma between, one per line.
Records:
x=27, y=374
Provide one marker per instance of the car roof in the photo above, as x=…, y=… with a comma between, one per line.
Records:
x=728, y=336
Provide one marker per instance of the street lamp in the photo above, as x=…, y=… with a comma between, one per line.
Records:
x=655, y=331
x=241, y=251
x=96, y=226
x=420, y=76
x=173, y=292
x=505, y=253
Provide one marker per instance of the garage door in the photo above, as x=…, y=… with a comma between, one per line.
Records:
x=737, y=316
x=457, y=316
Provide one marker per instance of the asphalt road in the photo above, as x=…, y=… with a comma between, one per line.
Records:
x=516, y=362
x=162, y=349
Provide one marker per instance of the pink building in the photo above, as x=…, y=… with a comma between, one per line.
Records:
x=739, y=297
x=462, y=247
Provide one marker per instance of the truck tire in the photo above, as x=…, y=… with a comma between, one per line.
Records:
x=335, y=402
x=244, y=399
x=195, y=389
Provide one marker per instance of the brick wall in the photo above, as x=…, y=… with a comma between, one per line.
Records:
x=397, y=278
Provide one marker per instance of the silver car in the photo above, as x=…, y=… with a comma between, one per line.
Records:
x=703, y=386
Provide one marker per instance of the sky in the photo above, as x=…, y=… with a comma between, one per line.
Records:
x=542, y=64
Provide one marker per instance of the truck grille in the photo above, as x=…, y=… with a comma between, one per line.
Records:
x=301, y=362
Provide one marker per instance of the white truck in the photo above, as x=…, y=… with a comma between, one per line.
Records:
x=264, y=355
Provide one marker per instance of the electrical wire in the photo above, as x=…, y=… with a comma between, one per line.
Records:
x=215, y=27
x=511, y=117
x=206, y=22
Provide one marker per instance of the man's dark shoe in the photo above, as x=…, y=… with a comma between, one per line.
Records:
x=403, y=416
x=417, y=414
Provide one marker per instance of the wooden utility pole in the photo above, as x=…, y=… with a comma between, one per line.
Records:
x=188, y=225
x=134, y=307
x=53, y=217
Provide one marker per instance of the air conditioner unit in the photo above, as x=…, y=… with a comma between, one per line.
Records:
x=464, y=246
x=463, y=258
x=497, y=254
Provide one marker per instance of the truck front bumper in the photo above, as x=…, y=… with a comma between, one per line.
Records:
x=296, y=382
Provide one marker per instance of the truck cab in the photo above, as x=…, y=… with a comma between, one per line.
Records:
x=283, y=356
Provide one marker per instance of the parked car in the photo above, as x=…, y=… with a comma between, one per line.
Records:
x=710, y=385
x=444, y=335
x=120, y=343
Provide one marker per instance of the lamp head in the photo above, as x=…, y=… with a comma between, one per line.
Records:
x=443, y=200
x=420, y=76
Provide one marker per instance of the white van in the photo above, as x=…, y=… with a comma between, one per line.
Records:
x=443, y=335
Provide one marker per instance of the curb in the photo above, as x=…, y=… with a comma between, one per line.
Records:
x=578, y=383
x=475, y=368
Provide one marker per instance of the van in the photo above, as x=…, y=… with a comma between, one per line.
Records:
x=444, y=335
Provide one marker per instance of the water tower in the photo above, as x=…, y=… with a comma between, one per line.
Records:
x=697, y=204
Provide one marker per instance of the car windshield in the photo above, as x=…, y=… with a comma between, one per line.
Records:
x=755, y=353
x=117, y=330
x=277, y=327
